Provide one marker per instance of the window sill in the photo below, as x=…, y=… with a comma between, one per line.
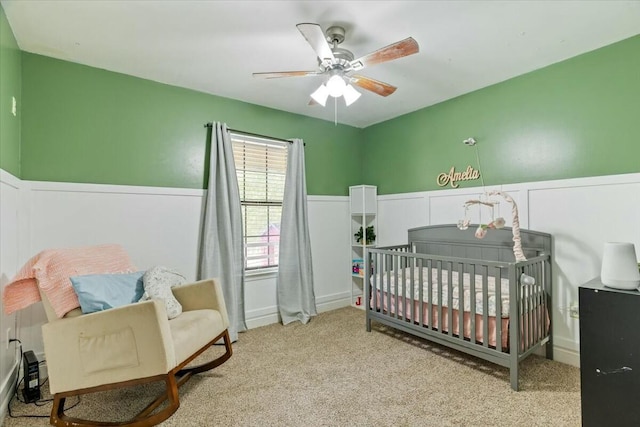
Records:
x=263, y=273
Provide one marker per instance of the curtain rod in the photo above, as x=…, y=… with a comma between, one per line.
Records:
x=257, y=135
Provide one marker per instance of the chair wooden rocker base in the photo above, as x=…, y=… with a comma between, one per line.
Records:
x=174, y=379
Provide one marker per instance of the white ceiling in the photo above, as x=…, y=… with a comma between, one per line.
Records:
x=215, y=46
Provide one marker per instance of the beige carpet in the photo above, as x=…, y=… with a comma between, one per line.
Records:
x=332, y=372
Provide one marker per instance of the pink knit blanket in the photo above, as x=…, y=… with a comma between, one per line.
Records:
x=50, y=271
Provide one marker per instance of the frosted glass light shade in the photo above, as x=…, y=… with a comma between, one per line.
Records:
x=336, y=85
x=350, y=95
x=620, y=266
x=320, y=95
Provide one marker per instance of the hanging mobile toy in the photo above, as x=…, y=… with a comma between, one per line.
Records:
x=495, y=223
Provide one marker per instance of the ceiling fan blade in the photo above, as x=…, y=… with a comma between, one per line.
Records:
x=396, y=50
x=318, y=41
x=381, y=88
x=278, y=74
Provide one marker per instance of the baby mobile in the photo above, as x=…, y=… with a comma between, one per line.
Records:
x=490, y=202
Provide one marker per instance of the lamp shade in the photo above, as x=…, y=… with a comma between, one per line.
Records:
x=620, y=266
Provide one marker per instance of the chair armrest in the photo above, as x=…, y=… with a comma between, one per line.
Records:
x=205, y=294
x=120, y=344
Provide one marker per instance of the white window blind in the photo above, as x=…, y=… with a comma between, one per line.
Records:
x=261, y=165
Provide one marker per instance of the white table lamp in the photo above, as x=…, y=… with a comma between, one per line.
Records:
x=620, y=266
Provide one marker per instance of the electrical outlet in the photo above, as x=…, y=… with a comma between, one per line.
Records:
x=8, y=336
x=574, y=311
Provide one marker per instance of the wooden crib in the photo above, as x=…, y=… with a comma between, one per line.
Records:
x=469, y=294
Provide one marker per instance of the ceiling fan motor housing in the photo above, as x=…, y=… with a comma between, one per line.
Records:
x=343, y=57
x=335, y=34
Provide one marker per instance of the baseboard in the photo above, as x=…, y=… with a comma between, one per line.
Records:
x=270, y=315
x=6, y=391
x=333, y=302
x=567, y=356
x=263, y=320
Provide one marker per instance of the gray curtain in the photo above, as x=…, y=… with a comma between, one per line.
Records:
x=296, y=300
x=221, y=246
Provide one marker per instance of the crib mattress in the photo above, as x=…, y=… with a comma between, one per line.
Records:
x=405, y=290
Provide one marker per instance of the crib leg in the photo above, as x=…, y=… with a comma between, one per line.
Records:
x=549, y=349
x=513, y=372
x=368, y=324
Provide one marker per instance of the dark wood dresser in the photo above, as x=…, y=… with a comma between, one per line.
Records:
x=609, y=355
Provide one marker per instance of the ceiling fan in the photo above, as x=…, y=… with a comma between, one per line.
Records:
x=339, y=64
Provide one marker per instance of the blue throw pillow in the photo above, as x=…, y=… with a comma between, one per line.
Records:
x=98, y=292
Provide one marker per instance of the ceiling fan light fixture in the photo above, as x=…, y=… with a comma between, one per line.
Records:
x=337, y=63
x=320, y=95
x=350, y=95
x=336, y=86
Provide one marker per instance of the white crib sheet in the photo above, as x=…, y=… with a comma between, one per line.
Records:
x=405, y=289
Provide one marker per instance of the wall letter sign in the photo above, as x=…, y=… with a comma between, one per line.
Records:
x=452, y=177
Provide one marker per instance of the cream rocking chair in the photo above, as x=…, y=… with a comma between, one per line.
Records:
x=131, y=345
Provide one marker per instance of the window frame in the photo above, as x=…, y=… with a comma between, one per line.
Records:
x=240, y=137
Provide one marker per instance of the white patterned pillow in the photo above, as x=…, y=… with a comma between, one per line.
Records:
x=158, y=282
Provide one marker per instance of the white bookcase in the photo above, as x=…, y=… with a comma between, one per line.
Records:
x=363, y=202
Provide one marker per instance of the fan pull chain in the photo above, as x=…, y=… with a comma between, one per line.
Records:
x=335, y=111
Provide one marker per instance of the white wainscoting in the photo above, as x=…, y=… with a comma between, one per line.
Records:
x=329, y=231
x=581, y=214
x=160, y=226
x=397, y=213
x=157, y=226
x=10, y=261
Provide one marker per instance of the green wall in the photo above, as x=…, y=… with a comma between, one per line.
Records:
x=576, y=118
x=83, y=124
x=10, y=75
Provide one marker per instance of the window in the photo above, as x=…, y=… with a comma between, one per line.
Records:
x=261, y=165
